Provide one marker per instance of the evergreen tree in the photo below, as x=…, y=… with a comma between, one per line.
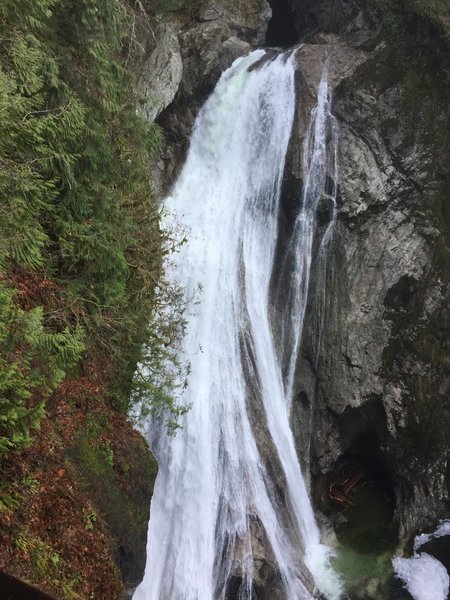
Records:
x=76, y=204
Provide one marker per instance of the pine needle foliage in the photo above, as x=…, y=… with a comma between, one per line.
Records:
x=76, y=202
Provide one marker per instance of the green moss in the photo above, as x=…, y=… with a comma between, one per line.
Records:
x=399, y=15
x=436, y=11
x=91, y=456
x=118, y=475
x=47, y=565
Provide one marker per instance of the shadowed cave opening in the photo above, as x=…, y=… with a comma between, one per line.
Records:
x=361, y=507
x=281, y=31
x=400, y=295
x=360, y=482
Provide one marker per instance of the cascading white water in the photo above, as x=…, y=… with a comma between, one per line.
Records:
x=319, y=161
x=213, y=486
x=320, y=169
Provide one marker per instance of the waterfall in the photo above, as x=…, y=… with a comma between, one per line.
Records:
x=319, y=161
x=320, y=169
x=216, y=501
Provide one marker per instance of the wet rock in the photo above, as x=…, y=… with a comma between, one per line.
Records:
x=208, y=49
x=325, y=209
x=161, y=72
x=189, y=56
x=211, y=13
x=386, y=285
x=248, y=18
x=354, y=20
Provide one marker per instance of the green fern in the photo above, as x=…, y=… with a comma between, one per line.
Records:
x=76, y=206
x=32, y=363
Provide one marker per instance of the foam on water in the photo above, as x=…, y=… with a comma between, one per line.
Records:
x=422, y=539
x=424, y=576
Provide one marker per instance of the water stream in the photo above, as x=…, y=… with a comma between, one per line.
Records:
x=218, y=517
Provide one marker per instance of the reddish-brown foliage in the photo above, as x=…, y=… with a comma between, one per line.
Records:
x=34, y=289
x=56, y=512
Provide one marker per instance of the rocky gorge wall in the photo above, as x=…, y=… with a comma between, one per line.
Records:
x=380, y=379
x=375, y=388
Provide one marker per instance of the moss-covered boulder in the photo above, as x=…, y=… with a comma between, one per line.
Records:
x=118, y=472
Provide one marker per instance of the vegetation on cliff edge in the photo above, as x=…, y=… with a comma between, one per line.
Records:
x=81, y=279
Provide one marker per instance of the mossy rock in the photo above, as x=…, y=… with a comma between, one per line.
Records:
x=118, y=472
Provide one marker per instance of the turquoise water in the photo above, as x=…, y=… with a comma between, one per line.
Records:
x=367, y=539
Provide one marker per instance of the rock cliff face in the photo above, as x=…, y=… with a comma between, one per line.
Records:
x=376, y=388
x=381, y=384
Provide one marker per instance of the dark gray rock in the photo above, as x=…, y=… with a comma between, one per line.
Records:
x=387, y=288
x=355, y=20
x=161, y=72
